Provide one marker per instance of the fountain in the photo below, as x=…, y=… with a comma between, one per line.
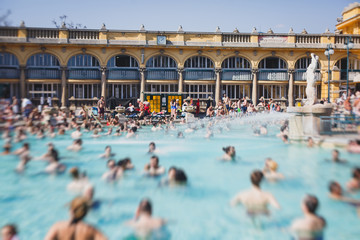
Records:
x=304, y=121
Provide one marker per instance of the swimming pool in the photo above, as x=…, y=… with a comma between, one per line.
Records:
x=199, y=211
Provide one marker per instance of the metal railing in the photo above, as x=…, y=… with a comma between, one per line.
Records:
x=241, y=38
x=236, y=74
x=123, y=74
x=161, y=74
x=43, y=73
x=84, y=73
x=339, y=124
x=300, y=75
x=43, y=33
x=9, y=72
x=273, y=75
x=199, y=74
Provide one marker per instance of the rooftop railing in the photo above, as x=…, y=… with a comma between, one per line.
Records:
x=83, y=34
x=43, y=33
x=236, y=38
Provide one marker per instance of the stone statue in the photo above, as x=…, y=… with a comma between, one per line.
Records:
x=311, y=81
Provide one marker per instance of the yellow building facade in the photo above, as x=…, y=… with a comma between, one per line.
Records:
x=76, y=66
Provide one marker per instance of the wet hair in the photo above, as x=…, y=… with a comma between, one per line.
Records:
x=227, y=149
x=152, y=143
x=335, y=150
x=134, y=129
x=54, y=154
x=256, y=177
x=180, y=176
x=74, y=172
x=311, y=202
x=145, y=206
x=12, y=229
x=117, y=130
x=356, y=172
x=156, y=157
x=107, y=147
x=286, y=137
x=78, y=141
x=79, y=208
x=333, y=185
x=26, y=145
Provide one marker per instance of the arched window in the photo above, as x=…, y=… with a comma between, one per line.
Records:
x=43, y=60
x=161, y=61
x=83, y=60
x=161, y=68
x=122, y=61
x=84, y=66
x=8, y=59
x=236, y=63
x=354, y=67
x=300, y=69
x=199, y=62
x=273, y=69
x=236, y=68
x=272, y=63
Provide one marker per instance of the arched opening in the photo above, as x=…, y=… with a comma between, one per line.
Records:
x=123, y=67
x=236, y=69
x=161, y=67
x=354, y=68
x=9, y=69
x=84, y=67
x=43, y=66
x=199, y=68
x=273, y=69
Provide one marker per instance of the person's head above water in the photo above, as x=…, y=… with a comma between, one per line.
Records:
x=335, y=154
x=111, y=164
x=154, y=161
x=310, y=204
x=74, y=172
x=78, y=142
x=145, y=206
x=78, y=209
x=8, y=232
x=108, y=148
x=335, y=188
x=152, y=147
x=256, y=177
x=229, y=150
x=356, y=173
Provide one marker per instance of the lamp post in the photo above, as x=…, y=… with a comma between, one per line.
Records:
x=328, y=52
x=348, y=45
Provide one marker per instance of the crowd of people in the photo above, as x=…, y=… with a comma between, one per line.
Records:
x=50, y=124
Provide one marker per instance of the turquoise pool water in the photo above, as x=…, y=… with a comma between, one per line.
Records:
x=201, y=210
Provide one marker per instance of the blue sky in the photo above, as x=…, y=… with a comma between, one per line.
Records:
x=193, y=15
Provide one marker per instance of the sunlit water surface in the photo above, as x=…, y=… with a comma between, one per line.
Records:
x=35, y=201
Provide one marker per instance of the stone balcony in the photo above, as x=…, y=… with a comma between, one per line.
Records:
x=173, y=38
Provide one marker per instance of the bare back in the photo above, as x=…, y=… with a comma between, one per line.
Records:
x=78, y=231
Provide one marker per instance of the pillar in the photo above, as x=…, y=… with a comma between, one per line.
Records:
x=291, y=87
x=63, y=86
x=254, y=87
x=22, y=82
x=142, y=83
x=103, y=82
x=181, y=80
x=217, y=85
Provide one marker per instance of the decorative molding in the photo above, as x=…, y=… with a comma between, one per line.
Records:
x=254, y=52
x=63, y=49
x=218, y=70
x=83, y=50
x=218, y=52
x=254, y=71
x=142, y=70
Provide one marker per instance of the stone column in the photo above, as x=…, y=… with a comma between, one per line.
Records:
x=63, y=86
x=22, y=82
x=254, y=96
x=181, y=80
x=142, y=83
x=103, y=82
x=217, y=85
x=291, y=87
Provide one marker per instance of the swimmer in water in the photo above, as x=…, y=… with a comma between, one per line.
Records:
x=144, y=223
x=335, y=157
x=52, y=157
x=75, y=228
x=107, y=153
x=152, y=147
x=180, y=135
x=263, y=130
x=9, y=232
x=7, y=149
x=153, y=168
x=24, y=154
x=131, y=132
x=354, y=183
x=114, y=173
x=255, y=200
x=285, y=139
x=230, y=154
x=310, y=142
x=176, y=176
x=125, y=164
x=79, y=181
x=336, y=193
x=311, y=226
x=96, y=134
x=75, y=146
x=270, y=170
x=76, y=134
